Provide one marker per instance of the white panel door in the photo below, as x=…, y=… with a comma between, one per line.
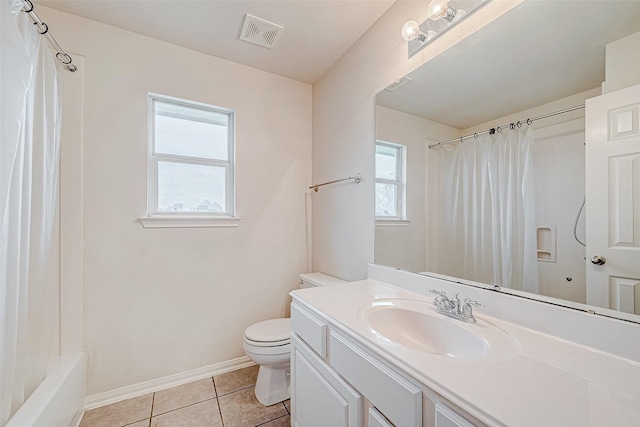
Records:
x=613, y=200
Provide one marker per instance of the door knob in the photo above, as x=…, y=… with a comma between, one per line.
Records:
x=598, y=260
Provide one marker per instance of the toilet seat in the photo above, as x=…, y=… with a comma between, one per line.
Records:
x=269, y=333
x=267, y=343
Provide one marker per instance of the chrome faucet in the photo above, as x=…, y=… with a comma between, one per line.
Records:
x=452, y=308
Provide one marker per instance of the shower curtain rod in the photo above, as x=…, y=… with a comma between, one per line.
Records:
x=510, y=125
x=43, y=29
x=356, y=178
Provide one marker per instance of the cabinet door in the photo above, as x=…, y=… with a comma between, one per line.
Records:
x=376, y=419
x=319, y=398
x=445, y=417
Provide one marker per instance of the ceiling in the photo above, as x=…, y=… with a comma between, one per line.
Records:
x=538, y=52
x=316, y=32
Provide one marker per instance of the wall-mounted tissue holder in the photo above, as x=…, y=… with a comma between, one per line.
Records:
x=546, y=243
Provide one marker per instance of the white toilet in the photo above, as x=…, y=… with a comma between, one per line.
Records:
x=268, y=343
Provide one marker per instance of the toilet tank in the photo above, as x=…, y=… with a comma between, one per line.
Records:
x=311, y=280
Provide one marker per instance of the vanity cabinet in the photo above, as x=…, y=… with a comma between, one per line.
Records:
x=387, y=360
x=337, y=382
x=321, y=397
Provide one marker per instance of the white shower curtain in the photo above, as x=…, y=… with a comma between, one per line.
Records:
x=29, y=165
x=488, y=228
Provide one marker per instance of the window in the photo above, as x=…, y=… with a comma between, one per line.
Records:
x=191, y=161
x=390, y=180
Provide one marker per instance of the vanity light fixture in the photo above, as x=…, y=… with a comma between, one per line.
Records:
x=441, y=15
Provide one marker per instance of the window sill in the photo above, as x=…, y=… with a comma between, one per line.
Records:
x=392, y=222
x=188, y=221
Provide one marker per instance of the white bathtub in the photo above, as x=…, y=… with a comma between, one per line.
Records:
x=58, y=401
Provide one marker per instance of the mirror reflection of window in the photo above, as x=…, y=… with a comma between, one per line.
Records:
x=390, y=180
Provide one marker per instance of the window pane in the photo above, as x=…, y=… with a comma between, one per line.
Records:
x=192, y=132
x=386, y=162
x=386, y=199
x=184, y=187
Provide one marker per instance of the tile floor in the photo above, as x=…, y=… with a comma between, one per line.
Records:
x=225, y=400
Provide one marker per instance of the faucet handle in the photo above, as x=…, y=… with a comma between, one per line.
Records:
x=474, y=303
x=440, y=299
x=467, y=310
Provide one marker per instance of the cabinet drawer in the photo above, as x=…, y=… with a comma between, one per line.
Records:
x=399, y=400
x=311, y=329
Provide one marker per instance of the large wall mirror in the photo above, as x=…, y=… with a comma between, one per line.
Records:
x=508, y=204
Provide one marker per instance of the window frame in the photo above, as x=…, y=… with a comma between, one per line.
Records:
x=157, y=218
x=400, y=183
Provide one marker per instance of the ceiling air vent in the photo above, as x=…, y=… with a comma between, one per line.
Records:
x=260, y=32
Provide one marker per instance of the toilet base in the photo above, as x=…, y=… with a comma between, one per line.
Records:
x=273, y=384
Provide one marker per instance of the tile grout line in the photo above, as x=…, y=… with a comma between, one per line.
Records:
x=270, y=421
x=153, y=401
x=185, y=406
x=235, y=391
x=215, y=390
x=136, y=422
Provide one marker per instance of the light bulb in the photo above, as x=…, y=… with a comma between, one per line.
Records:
x=437, y=9
x=411, y=30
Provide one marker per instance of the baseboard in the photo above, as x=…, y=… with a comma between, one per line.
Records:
x=135, y=390
x=77, y=419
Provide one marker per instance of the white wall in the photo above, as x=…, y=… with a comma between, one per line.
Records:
x=559, y=191
x=163, y=301
x=405, y=246
x=623, y=63
x=344, y=131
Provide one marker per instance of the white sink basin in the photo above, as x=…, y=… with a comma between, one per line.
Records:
x=415, y=324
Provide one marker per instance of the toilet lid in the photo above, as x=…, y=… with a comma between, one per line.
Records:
x=269, y=330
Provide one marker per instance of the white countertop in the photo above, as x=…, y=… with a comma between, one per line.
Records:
x=550, y=382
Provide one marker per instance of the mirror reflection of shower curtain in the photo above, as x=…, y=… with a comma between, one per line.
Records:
x=487, y=230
